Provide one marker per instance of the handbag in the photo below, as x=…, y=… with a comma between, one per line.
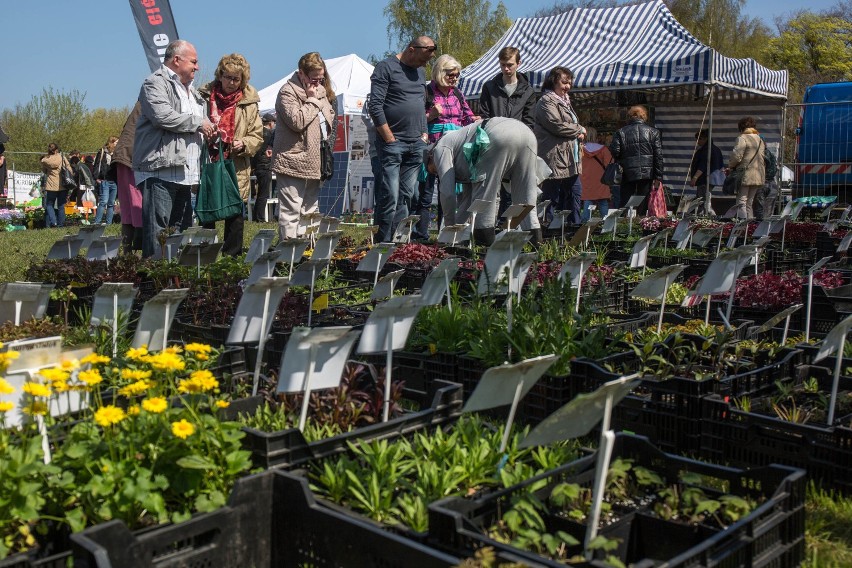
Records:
x=612, y=174
x=326, y=160
x=735, y=178
x=717, y=178
x=657, y=201
x=66, y=176
x=219, y=196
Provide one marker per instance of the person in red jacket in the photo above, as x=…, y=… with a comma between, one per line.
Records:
x=595, y=158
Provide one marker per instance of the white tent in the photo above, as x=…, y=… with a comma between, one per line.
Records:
x=350, y=77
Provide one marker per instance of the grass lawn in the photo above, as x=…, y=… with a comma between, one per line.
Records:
x=829, y=517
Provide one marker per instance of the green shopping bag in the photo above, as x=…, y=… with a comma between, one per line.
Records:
x=218, y=196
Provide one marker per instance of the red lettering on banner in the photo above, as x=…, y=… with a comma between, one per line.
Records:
x=155, y=20
x=149, y=3
x=154, y=17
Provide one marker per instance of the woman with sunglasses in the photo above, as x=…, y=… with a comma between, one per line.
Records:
x=305, y=118
x=446, y=110
x=233, y=108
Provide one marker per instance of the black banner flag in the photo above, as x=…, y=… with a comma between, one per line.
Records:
x=156, y=28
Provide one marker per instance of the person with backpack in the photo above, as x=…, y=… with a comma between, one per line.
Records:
x=446, y=110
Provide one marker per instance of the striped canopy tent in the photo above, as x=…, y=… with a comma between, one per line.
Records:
x=640, y=54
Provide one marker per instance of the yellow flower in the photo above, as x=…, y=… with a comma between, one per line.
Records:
x=134, y=389
x=55, y=374
x=155, y=405
x=198, y=348
x=6, y=387
x=183, y=429
x=90, y=377
x=37, y=389
x=109, y=415
x=137, y=354
x=198, y=382
x=7, y=357
x=70, y=365
x=133, y=410
x=135, y=374
x=222, y=404
x=166, y=361
x=202, y=356
x=37, y=408
x=6, y=406
x=174, y=349
x=95, y=359
x=60, y=386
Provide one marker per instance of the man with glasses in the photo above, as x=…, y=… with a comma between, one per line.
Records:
x=396, y=106
x=167, y=143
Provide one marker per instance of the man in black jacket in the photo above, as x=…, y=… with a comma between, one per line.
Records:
x=261, y=162
x=508, y=94
x=638, y=148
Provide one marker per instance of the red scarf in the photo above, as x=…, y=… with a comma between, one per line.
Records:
x=223, y=114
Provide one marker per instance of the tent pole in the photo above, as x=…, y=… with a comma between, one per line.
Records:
x=709, y=147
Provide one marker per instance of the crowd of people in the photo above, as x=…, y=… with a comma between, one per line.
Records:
x=521, y=148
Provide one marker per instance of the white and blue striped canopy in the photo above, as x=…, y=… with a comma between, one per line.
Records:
x=628, y=47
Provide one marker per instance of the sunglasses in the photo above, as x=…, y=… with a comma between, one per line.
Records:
x=429, y=48
x=452, y=75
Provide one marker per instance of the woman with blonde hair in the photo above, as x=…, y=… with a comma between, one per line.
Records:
x=446, y=110
x=233, y=108
x=105, y=181
x=748, y=152
x=306, y=118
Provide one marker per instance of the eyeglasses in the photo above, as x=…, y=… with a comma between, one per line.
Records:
x=429, y=48
x=452, y=75
x=316, y=80
x=231, y=78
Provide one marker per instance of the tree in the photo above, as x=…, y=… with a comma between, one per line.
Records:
x=61, y=117
x=463, y=28
x=814, y=48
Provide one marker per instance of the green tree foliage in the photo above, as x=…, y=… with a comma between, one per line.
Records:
x=721, y=25
x=814, y=48
x=463, y=28
x=61, y=117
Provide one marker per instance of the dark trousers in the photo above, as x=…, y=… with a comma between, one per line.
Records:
x=564, y=194
x=638, y=187
x=233, y=242
x=264, y=190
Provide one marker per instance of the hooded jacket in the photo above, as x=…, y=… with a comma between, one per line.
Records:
x=248, y=128
x=296, y=152
x=639, y=149
x=495, y=101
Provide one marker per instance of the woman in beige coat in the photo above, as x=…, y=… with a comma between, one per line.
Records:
x=55, y=195
x=749, y=151
x=305, y=118
x=232, y=105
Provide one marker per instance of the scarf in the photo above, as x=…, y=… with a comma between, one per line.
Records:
x=223, y=114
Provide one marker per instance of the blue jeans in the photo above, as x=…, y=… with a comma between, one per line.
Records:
x=424, y=207
x=106, y=199
x=602, y=205
x=400, y=165
x=563, y=193
x=164, y=204
x=54, y=207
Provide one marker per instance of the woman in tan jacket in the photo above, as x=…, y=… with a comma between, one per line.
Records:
x=305, y=118
x=232, y=104
x=55, y=196
x=749, y=152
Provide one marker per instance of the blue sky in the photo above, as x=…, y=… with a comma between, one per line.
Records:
x=93, y=45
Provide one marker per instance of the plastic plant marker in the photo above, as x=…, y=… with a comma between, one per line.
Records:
x=328, y=224
x=688, y=206
x=507, y=385
x=683, y=244
x=259, y=245
x=264, y=266
x=201, y=236
x=325, y=245
x=478, y=206
x=834, y=342
x=682, y=231
x=199, y=254
x=655, y=286
x=385, y=285
x=21, y=300
x=403, y=230
x=520, y=271
x=314, y=360
x=576, y=267
x=741, y=226
x=558, y=222
x=845, y=215
x=721, y=275
x=453, y=234
x=662, y=235
x=516, y=213
x=170, y=249
x=811, y=271
x=610, y=222
x=541, y=208
x=90, y=232
x=109, y=300
x=65, y=248
x=103, y=248
x=844, y=242
x=292, y=251
x=499, y=262
x=309, y=223
x=580, y=240
x=306, y=275
x=156, y=319
x=774, y=320
x=437, y=283
x=631, y=205
x=702, y=237
x=375, y=259
x=387, y=329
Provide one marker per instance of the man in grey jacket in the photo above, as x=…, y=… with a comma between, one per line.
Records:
x=167, y=144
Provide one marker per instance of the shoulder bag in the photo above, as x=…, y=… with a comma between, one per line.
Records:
x=612, y=174
x=66, y=176
x=219, y=195
x=735, y=178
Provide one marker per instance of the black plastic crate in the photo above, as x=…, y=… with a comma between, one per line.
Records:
x=796, y=260
x=231, y=361
x=668, y=431
x=288, y=448
x=470, y=371
x=771, y=535
x=33, y=560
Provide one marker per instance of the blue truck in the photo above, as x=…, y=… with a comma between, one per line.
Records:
x=823, y=161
